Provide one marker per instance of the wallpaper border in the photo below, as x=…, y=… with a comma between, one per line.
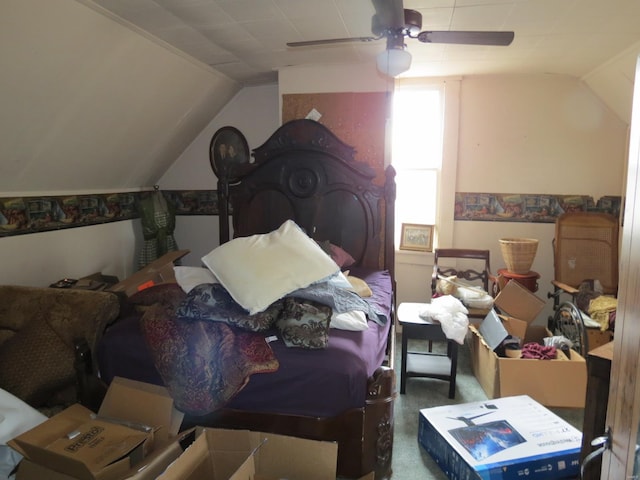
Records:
x=34, y=214
x=529, y=208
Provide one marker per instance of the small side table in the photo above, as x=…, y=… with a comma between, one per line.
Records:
x=528, y=280
x=425, y=364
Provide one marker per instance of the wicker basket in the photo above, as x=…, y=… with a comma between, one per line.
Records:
x=518, y=253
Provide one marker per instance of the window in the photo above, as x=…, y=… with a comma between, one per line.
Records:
x=417, y=152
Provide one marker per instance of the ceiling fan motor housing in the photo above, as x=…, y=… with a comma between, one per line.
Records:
x=412, y=25
x=412, y=22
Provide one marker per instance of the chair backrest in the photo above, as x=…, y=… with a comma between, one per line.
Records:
x=480, y=271
x=585, y=247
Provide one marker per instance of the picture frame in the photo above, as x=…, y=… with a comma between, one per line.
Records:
x=228, y=152
x=416, y=237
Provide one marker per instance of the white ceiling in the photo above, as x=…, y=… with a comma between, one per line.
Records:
x=246, y=39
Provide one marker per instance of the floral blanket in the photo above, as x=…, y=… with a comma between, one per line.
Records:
x=206, y=347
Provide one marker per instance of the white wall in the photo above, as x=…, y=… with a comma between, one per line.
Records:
x=333, y=78
x=40, y=259
x=538, y=134
x=534, y=134
x=255, y=112
x=521, y=134
x=517, y=134
x=89, y=106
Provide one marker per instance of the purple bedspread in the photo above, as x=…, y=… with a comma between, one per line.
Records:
x=320, y=383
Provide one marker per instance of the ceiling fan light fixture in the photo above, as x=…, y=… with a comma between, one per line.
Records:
x=393, y=61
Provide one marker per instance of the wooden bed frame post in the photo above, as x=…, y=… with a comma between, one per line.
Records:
x=223, y=210
x=378, y=424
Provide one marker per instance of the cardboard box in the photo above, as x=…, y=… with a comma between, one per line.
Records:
x=507, y=439
x=516, y=301
x=158, y=271
x=554, y=383
x=134, y=429
x=149, y=469
x=597, y=337
x=220, y=454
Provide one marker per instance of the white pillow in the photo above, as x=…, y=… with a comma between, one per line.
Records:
x=260, y=269
x=354, y=320
x=190, y=277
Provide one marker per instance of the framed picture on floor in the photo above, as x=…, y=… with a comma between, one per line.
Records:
x=416, y=237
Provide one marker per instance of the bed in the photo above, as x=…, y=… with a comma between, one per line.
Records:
x=344, y=391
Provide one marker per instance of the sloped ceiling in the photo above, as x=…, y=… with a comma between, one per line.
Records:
x=613, y=81
x=87, y=104
x=246, y=39
x=105, y=94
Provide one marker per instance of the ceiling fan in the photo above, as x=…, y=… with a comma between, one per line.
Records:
x=394, y=22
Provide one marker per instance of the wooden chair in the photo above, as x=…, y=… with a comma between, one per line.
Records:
x=471, y=265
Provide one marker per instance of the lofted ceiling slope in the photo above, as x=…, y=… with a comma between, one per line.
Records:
x=246, y=39
x=592, y=40
x=106, y=94
x=90, y=105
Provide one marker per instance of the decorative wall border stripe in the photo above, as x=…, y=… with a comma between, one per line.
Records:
x=530, y=208
x=24, y=215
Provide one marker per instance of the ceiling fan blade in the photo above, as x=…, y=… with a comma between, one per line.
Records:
x=390, y=13
x=467, y=37
x=328, y=41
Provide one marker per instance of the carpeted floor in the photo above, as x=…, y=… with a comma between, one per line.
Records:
x=410, y=461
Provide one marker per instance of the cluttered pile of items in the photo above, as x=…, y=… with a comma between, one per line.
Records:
x=514, y=355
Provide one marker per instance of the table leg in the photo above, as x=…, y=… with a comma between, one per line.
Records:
x=453, y=354
x=403, y=367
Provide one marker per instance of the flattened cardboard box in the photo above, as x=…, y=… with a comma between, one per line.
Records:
x=149, y=469
x=504, y=439
x=134, y=420
x=157, y=272
x=221, y=454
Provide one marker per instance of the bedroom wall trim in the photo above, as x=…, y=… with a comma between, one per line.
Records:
x=21, y=215
x=34, y=214
x=529, y=208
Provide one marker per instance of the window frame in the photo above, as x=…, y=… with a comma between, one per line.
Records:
x=444, y=215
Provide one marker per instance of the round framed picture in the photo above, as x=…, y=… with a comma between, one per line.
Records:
x=227, y=151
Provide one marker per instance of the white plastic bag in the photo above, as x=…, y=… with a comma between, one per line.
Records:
x=16, y=417
x=451, y=314
x=475, y=298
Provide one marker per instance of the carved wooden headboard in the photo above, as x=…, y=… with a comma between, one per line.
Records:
x=305, y=173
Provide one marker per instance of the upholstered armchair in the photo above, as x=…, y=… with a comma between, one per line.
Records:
x=47, y=344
